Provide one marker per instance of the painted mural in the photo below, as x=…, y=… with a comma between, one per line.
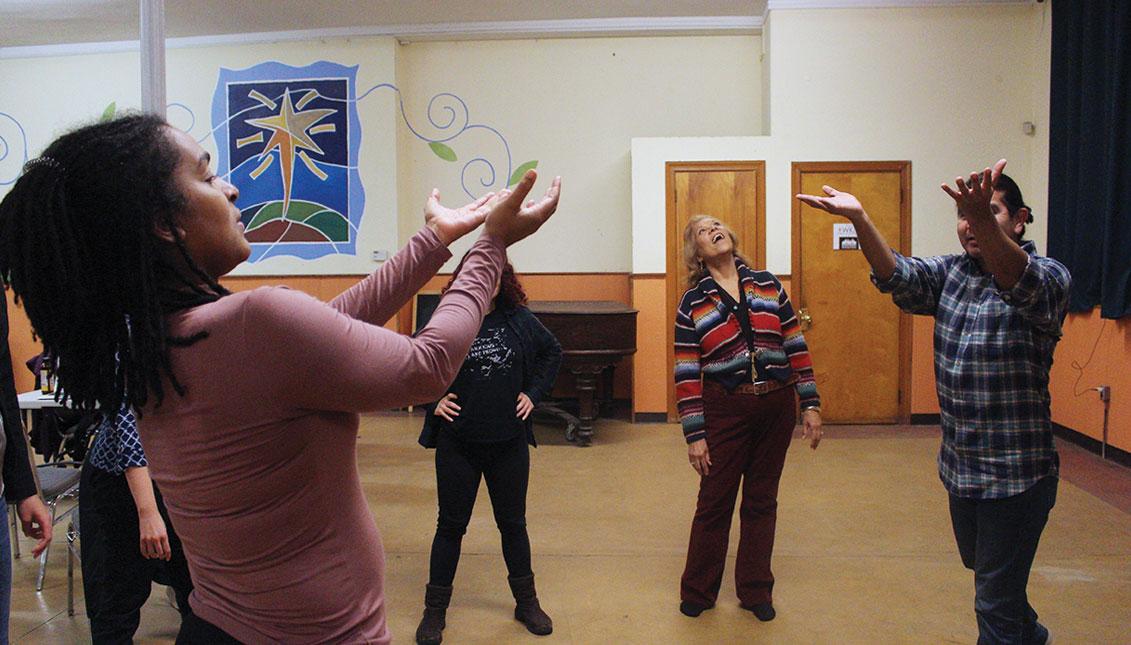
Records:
x=289, y=139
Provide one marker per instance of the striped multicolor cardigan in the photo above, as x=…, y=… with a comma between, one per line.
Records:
x=709, y=343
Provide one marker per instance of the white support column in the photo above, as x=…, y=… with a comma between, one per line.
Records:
x=153, y=56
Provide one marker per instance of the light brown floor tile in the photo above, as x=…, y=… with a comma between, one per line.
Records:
x=864, y=549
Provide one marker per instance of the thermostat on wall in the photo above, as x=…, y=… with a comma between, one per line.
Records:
x=380, y=255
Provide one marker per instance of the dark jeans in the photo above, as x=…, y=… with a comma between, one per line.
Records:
x=197, y=631
x=997, y=539
x=116, y=579
x=5, y=570
x=747, y=438
x=459, y=466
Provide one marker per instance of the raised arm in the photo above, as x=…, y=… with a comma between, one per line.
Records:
x=378, y=297
x=876, y=249
x=915, y=284
x=318, y=358
x=1002, y=256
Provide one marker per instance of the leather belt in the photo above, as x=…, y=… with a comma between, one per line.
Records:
x=764, y=387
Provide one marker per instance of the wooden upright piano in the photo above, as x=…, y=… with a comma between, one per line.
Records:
x=595, y=335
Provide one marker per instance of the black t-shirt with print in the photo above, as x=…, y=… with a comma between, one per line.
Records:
x=488, y=384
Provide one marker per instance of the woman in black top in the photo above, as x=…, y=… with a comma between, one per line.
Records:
x=480, y=429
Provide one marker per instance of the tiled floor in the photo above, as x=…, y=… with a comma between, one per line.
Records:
x=864, y=550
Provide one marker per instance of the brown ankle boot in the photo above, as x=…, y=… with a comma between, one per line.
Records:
x=526, y=609
x=436, y=599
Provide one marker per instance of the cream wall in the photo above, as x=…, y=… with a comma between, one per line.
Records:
x=51, y=95
x=885, y=84
x=574, y=105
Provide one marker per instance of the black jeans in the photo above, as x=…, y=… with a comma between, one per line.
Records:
x=459, y=466
x=116, y=579
x=197, y=631
x=997, y=539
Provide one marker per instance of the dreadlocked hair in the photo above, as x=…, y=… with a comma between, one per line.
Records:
x=79, y=247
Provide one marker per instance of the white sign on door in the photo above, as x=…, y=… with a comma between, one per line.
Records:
x=844, y=237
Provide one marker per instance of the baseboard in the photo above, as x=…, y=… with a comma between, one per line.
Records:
x=926, y=419
x=1118, y=455
x=650, y=417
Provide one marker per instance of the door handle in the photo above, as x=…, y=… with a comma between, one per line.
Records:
x=805, y=319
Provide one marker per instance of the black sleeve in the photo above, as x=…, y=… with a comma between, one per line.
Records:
x=19, y=481
x=547, y=359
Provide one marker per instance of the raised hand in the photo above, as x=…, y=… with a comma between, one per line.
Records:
x=511, y=220
x=835, y=202
x=973, y=195
x=451, y=224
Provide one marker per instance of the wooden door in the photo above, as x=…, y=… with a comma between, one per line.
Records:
x=859, y=340
x=731, y=191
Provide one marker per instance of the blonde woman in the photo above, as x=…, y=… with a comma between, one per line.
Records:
x=739, y=360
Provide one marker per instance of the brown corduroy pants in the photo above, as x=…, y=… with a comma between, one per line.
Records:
x=747, y=438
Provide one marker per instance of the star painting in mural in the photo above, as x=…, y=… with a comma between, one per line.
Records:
x=291, y=133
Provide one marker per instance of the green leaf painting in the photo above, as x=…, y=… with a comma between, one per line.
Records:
x=108, y=113
x=520, y=171
x=442, y=151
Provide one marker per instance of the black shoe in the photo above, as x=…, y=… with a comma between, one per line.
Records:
x=692, y=609
x=431, y=628
x=763, y=610
x=527, y=610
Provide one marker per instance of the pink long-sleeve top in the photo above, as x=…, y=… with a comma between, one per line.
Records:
x=257, y=461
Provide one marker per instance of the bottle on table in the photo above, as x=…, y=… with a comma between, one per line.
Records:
x=45, y=376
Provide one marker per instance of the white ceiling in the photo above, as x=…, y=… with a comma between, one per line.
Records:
x=49, y=22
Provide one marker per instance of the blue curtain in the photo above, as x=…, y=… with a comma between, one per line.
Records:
x=1090, y=151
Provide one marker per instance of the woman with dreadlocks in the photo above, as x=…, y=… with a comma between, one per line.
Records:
x=114, y=241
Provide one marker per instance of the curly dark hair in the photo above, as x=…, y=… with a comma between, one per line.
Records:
x=511, y=294
x=79, y=246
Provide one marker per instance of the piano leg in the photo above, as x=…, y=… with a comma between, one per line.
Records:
x=544, y=411
x=587, y=401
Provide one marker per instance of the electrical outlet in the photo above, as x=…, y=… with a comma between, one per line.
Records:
x=1105, y=393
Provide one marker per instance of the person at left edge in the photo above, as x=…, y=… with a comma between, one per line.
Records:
x=18, y=484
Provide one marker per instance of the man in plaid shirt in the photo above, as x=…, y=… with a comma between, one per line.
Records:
x=998, y=311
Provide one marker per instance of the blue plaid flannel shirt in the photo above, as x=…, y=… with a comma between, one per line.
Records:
x=993, y=351
x=116, y=444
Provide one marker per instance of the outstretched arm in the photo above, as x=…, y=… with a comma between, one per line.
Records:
x=378, y=297
x=876, y=249
x=315, y=358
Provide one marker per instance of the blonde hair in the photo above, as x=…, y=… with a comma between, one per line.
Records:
x=694, y=267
